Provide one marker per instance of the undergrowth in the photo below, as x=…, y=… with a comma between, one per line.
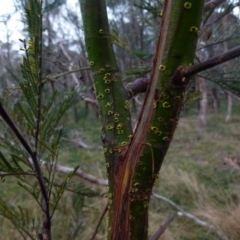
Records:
x=195, y=175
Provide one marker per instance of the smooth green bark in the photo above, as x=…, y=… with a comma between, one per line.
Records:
x=114, y=113
x=133, y=167
x=177, y=51
x=110, y=92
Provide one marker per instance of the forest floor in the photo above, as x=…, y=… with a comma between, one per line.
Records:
x=201, y=174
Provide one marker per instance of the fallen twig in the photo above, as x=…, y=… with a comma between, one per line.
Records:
x=79, y=143
x=192, y=217
x=83, y=175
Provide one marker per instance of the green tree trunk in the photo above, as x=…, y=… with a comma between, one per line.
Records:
x=134, y=165
x=112, y=96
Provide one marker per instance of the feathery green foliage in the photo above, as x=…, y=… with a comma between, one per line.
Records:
x=29, y=145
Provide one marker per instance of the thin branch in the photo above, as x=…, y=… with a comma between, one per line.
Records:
x=83, y=175
x=79, y=173
x=99, y=222
x=15, y=130
x=213, y=4
x=46, y=219
x=17, y=133
x=218, y=42
x=162, y=229
x=141, y=84
x=21, y=229
x=211, y=62
x=91, y=100
x=17, y=174
x=56, y=63
x=192, y=217
x=226, y=12
x=53, y=78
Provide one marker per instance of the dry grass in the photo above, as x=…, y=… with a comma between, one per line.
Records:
x=198, y=179
x=193, y=175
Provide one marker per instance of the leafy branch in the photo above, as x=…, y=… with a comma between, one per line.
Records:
x=37, y=117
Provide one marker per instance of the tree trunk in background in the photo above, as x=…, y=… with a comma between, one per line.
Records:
x=226, y=69
x=203, y=102
x=214, y=94
x=229, y=108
